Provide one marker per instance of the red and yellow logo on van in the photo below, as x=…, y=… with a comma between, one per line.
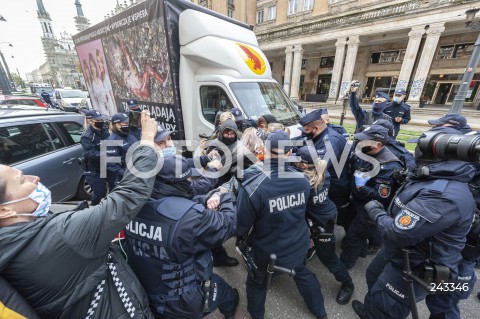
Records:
x=253, y=59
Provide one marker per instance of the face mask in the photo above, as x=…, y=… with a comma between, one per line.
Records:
x=98, y=125
x=169, y=151
x=125, y=129
x=223, y=103
x=379, y=106
x=229, y=140
x=397, y=99
x=40, y=195
x=367, y=149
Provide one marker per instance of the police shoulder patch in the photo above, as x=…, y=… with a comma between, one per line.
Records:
x=406, y=219
x=384, y=190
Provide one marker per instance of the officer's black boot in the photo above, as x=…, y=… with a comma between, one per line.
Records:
x=358, y=308
x=228, y=262
x=478, y=295
x=345, y=293
x=236, y=300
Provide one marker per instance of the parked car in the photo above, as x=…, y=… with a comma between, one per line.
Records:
x=22, y=100
x=71, y=100
x=45, y=143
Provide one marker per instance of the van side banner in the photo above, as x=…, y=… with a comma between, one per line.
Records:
x=135, y=55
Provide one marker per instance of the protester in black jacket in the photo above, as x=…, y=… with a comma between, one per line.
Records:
x=63, y=264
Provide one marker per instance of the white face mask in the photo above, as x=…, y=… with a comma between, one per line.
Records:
x=40, y=195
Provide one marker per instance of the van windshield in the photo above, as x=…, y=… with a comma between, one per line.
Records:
x=260, y=98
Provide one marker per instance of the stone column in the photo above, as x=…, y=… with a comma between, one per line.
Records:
x=429, y=49
x=415, y=38
x=337, y=69
x=296, y=71
x=288, y=68
x=353, y=42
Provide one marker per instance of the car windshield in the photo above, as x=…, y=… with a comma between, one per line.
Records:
x=72, y=94
x=39, y=89
x=260, y=98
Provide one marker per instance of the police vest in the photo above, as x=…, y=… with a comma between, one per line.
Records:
x=149, y=239
x=407, y=193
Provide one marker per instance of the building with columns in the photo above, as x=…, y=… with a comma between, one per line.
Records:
x=61, y=66
x=317, y=47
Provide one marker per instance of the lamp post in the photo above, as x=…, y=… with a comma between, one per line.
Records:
x=459, y=99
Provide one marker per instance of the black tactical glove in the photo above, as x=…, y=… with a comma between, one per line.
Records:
x=374, y=209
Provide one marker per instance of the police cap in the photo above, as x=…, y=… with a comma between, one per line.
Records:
x=374, y=133
x=119, y=118
x=311, y=117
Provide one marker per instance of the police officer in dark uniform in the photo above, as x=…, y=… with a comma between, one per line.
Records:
x=431, y=215
x=370, y=155
x=337, y=128
x=445, y=306
x=397, y=148
x=95, y=133
x=121, y=133
x=133, y=106
x=169, y=247
x=316, y=130
x=398, y=110
x=450, y=123
x=368, y=117
x=275, y=207
x=46, y=98
x=321, y=214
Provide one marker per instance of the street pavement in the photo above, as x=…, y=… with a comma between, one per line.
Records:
x=284, y=301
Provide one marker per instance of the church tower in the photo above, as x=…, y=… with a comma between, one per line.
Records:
x=49, y=42
x=81, y=23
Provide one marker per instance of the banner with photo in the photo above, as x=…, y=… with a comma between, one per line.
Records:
x=129, y=56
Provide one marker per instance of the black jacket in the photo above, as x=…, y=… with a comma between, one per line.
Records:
x=57, y=263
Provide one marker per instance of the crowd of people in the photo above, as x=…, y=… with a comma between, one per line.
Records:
x=275, y=194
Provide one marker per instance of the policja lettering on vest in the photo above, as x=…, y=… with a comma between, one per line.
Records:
x=137, y=228
x=281, y=203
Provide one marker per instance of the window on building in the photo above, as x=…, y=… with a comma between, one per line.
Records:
x=230, y=13
x=463, y=50
x=387, y=56
x=230, y=2
x=292, y=6
x=304, y=63
x=384, y=84
x=307, y=5
x=445, y=52
x=327, y=62
x=259, y=16
x=333, y=1
x=272, y=12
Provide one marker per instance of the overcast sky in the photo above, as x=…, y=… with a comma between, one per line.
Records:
x=23, y=29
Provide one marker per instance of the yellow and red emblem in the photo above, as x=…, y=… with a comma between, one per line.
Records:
x=252, y=58
x=405, y=220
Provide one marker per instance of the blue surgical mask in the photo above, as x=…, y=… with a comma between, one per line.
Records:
x=397, y=99
x=169, y=151
x=40, y=195
x=223, y=102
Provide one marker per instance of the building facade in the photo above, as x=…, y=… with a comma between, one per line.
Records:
x=61, y=66
x=317, y=47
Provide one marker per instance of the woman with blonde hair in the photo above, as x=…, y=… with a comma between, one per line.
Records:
x=321, y=213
